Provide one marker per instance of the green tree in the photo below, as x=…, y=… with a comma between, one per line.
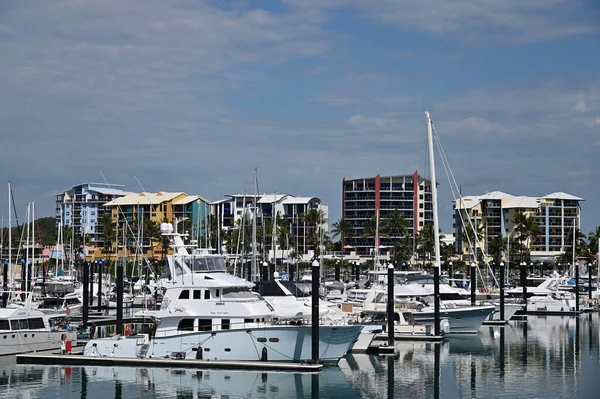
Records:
x=526, y=230
x=152, y=233
x=426, y=241
x=496, y=247
x=108, y=234
x=593, y=238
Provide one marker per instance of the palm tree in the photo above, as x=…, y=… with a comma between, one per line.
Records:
x=496, y=247
x=526, y=229
x=447, y=251
x=426, y=240
x=580, y=245
x=395, y=225
x=402, y=250
x=468, y=235
x=108, y=233
x=593, y=238
x=343, y=229
x=312, y=218
x=152, y=232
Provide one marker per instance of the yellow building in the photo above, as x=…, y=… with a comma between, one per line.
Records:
x=132, y=212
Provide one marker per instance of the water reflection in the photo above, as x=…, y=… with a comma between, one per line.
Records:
x=544, y=357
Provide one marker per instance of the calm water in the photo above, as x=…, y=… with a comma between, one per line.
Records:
x=546, y=357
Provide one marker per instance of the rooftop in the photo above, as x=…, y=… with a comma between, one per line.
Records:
x=145, y=198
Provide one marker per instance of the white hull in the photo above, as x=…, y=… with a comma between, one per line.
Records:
x=24, y=341
x=549, y=305
x=509, y=311
x=290, y=344
x=461, y=319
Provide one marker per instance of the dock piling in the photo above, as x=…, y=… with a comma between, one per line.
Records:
x=91, y=297
x=473, y=283
x=390, y=304
x=5, y=284
x=576, y=266
x=436, y=298
x=86, y=276
x=100, y=266
x=524, y=284
x=119, y=299
x=501, y=290
x=315, y=311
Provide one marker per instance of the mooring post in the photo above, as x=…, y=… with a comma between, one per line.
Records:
x=390, y=304
x=524, y=284
x=315, y=311
x=100, y=266
x=91, y=283
x=473, y=283
x=119, y=300
x=436, y=299
x=576, y=265
x=502, y=291
x=86, y=301
x=5, y=283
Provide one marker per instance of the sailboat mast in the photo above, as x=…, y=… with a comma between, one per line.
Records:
x=436, y=232
x=254, y=221
x=10, y=229
x=32, y=237
x=274, y=233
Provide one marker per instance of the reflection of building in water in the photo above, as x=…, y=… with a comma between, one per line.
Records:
x=414, y=370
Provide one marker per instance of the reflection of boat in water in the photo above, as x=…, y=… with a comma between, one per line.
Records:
x=225, y=383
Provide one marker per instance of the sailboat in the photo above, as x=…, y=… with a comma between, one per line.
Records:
x=462, y=319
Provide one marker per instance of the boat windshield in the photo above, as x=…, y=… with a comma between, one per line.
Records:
x=237, y=293
x=207, y=264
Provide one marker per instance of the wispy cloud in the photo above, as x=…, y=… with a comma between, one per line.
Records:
x=362, y=120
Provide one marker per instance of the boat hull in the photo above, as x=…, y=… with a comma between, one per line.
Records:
x=289, y=344
x=463, y=320
x=25, y=341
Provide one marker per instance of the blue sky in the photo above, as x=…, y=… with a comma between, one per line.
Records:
x=191, y=95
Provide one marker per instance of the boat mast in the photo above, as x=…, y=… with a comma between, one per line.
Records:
x=32, y=239
x=24, y=273
x=436, y=233
x=274, y=233
x=10, y=230
x=254, y=221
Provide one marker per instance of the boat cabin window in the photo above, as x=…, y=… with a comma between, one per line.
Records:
x=268, y=288
x=37, y=323
x=178, y=267
x=4, y=325
x=225, y=323
x=186, y=325
x=217, y=293
x=206, y=294
x=185, y=294
x=207, y=264
x=197, y=294
x=204, y=324
x=237, y=292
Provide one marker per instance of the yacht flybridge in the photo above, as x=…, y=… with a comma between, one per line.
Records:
x=210, y=314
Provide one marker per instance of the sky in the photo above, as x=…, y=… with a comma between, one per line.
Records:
x=191, y=95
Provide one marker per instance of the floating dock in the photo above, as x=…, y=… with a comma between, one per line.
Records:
x=499, y=323
x=53, y=357
x=409, y=337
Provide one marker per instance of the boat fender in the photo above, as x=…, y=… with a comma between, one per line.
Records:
x=199, y=353
x=264, y=357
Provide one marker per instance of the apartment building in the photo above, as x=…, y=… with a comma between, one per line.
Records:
x=556, y=214
x=364, y=198
x=81, y=207
x=233, y=208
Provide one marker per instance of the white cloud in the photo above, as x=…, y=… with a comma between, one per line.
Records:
x=474, y=21
x=362, y=120
x=580, y=106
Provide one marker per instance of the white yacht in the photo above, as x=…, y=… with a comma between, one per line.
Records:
x=28, y=330
x=210, y=314
x=546, y=298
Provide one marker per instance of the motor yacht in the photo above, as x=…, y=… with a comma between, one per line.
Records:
x=211, y=314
